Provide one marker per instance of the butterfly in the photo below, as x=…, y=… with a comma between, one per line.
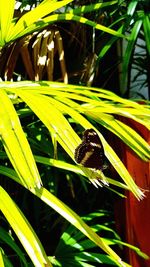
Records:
x=90, y=152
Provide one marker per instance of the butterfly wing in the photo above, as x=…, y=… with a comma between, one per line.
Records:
x=90, y=152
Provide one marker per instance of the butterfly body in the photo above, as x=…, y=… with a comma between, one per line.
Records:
x=90, y=152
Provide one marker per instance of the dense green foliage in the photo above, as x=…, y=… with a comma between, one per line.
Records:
x=40, y=127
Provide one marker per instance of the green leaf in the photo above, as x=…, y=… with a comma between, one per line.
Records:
x=89, y=8
x=7, y=238
x=124, y=132
x=132, y=7
x=6, y=15
x=24, y=27
x=50, y=105
x=146, y=26
x=16, y=218
x=128, y=53
x=74, y=219
x=34, y=16
x=16, y=144
x=53, y=119
x=23, y=230
x=1, y=258
x=62, y=17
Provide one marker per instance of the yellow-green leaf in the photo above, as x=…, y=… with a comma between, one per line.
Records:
x=16, y=144
x=23, y=230
x=6, y=15
x=1, y=258
x=33, y=17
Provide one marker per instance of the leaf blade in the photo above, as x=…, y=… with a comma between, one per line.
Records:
x=23, y=230
x=16, y=145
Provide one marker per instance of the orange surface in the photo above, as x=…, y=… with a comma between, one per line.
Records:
x=138, y=212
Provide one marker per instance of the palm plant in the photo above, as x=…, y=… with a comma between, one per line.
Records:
x=133, y=16
x=59, y=107
x=131, y=53
x=80, y=250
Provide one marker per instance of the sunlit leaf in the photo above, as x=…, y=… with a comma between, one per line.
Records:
x=16, y=144
x=23, y=230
